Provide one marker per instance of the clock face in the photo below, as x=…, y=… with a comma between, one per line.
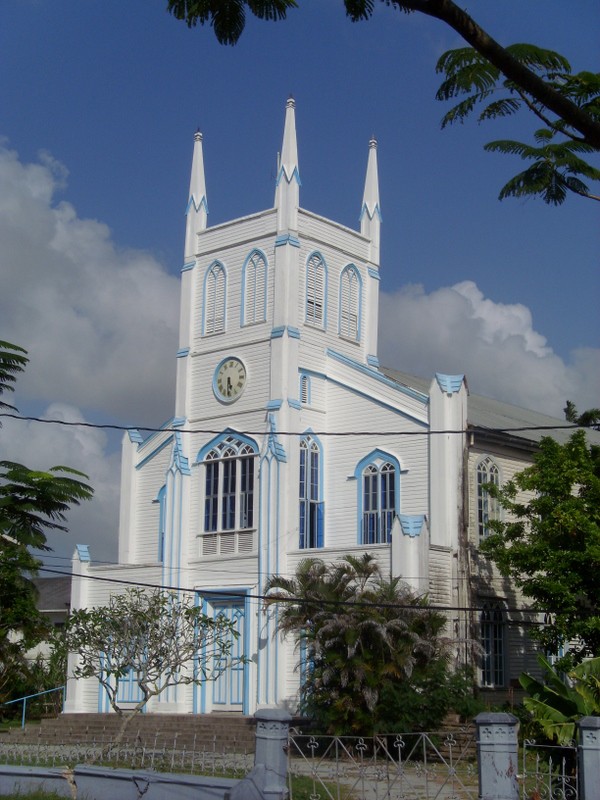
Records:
x=229, y=380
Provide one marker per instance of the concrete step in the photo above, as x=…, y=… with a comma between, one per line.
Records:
x=222, y=732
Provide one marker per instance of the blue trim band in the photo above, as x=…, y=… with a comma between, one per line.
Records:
x=283, y=174
x=83, y=552
x=449, y=383
x=372, y=361
x=294, y=403
x=374, y=273
x=411, y=524
x=135, y=436
x=188, y=266
x=278, y=332
x=293, y=333
x=287, y=238
x=274, y=405
x=423, y=398
x=185, y=351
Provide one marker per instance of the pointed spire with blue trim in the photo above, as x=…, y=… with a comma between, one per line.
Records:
x=287, y=192
x=370, y=215
x=197, y=208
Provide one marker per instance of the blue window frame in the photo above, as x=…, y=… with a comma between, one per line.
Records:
x=229, y=485
x=311, y=505
x=350, y=303
x=378, y=477
x=215, y=293
x=254, y=288
x=316, y=291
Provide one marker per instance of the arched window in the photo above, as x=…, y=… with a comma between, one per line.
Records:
x=492, y=631
x=316, y=291
x=229, y=486
x=254, y=282
x=350, y=298
x=487, y=506
x=379, y=497
x=215, y=290
x=311, y=506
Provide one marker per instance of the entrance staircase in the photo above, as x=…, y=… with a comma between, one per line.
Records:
x=224, y=733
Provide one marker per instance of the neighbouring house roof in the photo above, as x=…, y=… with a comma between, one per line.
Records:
x=485, y=414
x=54, y=594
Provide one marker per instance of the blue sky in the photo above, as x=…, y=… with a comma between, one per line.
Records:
x=99, y=101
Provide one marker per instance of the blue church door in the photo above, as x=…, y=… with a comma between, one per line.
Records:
x=228, y=688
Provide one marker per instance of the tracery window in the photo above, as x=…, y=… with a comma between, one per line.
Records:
x=229, y=486
x=350, y=298
x=487, y=506
x=316, y=291
x=311, y=506
x=379, y=502
x=255, y=289
x=215, y=290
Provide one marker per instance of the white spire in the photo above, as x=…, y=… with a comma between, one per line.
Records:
x=287, y=194
x=197, y=209
x=370, y=215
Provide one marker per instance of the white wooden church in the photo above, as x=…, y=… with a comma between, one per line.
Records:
x=303, y=445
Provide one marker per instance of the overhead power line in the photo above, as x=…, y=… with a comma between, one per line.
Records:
x=232, y=593
x=216, y=431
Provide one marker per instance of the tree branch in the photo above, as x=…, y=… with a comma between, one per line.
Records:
x=448, y=12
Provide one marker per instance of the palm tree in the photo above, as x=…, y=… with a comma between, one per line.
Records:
x=357, y=632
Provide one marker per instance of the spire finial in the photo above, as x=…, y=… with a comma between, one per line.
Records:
x=288, y=178
x=370, y=215
x=197, y=208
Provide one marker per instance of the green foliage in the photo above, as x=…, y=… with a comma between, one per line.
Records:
x=372, y=652
x=558, y=166
x=557, y=704
x=32, y=502
x=227, y=17
x=550, y=544
x=162, y=638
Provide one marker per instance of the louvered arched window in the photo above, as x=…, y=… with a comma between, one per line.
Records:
x=350, y=298
x=254, y=282
x=215, y=291
x=316, y=291
x=379, y=502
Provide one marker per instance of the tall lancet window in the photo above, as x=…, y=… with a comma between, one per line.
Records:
x=215, y=291
x=254, y=283
x=378, y=484
x=493, y=632
x=229, y=486
x=311, y=506
x=350, y=291
x=488, y=508
x=316, y=291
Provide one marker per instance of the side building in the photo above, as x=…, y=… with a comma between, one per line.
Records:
x=289, y=440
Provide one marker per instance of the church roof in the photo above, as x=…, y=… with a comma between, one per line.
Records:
x=486, y=414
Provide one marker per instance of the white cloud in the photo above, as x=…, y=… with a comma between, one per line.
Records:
x=457, y=330
x=96, y=319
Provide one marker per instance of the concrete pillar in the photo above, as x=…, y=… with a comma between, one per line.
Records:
x=588, y=754
x=268, y=779
x=497, y=756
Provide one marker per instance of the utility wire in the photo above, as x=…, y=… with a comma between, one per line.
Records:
x=125, y=428
x=232, y=593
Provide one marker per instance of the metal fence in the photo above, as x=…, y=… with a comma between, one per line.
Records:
x=162, y=755
x=549, y=772
x=421, y=766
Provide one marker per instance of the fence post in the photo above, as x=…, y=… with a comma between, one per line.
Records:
x=588, y=755
x=268, y=779
x=497, y=756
